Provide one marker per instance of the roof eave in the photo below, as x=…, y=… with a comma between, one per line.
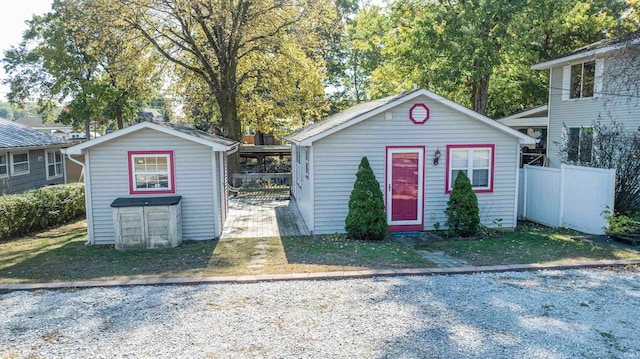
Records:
x=582, y=55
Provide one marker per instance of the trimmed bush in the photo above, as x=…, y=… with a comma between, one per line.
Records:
x=463, y=216
x=367, y=218
x=40, y=209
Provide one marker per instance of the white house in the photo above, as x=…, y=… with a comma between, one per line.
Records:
x=599, y=82
x=416, y=143
x=150, y=160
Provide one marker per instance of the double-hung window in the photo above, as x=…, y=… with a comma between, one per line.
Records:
x=151, y=172
x=54, y=164
x=579, y=144
x=475, y=161
x=19, y=163
x=4, y=165
x=583, y=80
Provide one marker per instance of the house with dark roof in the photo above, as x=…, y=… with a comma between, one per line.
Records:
x=28, y=158
x=416, y=144
x=596, y=83
x=142, y=168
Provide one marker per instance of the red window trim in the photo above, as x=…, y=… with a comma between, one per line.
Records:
x=491, y=175
x=132, y=189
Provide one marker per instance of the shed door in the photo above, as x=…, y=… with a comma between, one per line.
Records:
x=405, y=193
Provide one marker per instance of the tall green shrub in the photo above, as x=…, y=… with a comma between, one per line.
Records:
x=367, y=218
x=40, y=209
x=463, y=216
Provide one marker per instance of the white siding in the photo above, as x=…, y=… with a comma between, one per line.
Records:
x=193, y=181
x=585, y=111
x=336, y=159
x=302, y=189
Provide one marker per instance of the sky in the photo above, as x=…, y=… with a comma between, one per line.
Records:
x=12, y=26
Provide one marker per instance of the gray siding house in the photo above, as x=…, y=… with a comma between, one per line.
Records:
x=155, y=160
x=416, y=144
x=29, y=159
x=599, y=82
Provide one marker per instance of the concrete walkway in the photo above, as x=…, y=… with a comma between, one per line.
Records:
x=259, y=218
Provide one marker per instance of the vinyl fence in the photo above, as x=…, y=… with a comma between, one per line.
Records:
x=570, y=196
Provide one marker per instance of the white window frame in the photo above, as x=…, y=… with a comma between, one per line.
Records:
x=13, y=164
x=470, y=149
x=47, y=164
x=133, y=188
x=597, y=80
x=5, y=165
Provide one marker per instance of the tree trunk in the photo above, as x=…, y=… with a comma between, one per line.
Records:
x=119, y=117
x=87, y=128
x=480, y=94
x=231, y=127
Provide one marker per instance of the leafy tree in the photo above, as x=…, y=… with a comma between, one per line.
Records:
x=80, y=50
x=367, y=218
x=463, y=215
x=233, y=45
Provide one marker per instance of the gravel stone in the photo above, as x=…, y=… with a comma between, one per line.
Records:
x=545, y=314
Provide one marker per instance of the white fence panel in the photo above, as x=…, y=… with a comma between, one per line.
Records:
x=571, y=196
x=542, y=195
x=587, y=193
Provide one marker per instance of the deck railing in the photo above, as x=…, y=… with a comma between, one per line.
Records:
x=252, y=182
x=533, y=159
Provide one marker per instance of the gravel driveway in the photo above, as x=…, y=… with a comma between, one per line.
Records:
x=548, y=314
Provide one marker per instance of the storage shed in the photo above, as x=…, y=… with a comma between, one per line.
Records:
x=416, y=144
x=151, y=160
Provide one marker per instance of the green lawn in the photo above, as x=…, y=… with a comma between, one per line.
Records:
x=533, y=244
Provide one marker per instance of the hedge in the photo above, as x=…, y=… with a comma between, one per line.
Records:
x=40, y=209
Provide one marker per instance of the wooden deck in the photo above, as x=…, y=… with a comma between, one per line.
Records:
x=254, y=218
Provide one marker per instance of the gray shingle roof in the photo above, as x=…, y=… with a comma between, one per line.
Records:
x=620, y=40
x=15, y=135
x=341, y=117
x=197, y=133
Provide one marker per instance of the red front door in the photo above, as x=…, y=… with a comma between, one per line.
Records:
x=405, y=171
x=404, y=186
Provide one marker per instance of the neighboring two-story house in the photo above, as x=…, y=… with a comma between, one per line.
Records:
x=29, y=158
x=599, y=82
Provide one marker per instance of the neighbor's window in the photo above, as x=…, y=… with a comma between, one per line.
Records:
x=54, y=164
x=580, y=144
x=19, y=163
x=583, y=80
x=4, y=166
x=151, y=172
x=476, y=161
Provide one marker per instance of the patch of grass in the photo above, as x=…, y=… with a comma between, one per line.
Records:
x=325, y=253
x=60, y=255
x=529, y=244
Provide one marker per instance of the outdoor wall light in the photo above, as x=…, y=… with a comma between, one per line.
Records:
x=436, y=157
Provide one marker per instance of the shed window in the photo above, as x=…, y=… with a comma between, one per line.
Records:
x=54, y=164
x=306, y=161
x=298, y=167
x=19, y=163
x=580, y=144
x=151, y=172
x=475, y=161
x=583, y=80
x=4, y=166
